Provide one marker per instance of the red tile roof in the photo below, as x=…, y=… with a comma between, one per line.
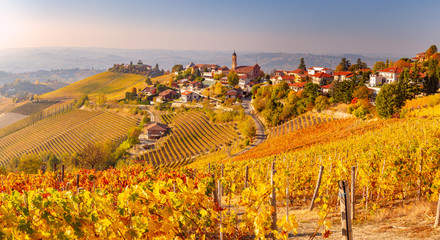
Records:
x=186, y=93
x=342, y=73
x=157, y=126
x=322, y=75
x=168, y=91
x=288, y=77
x=392, y=70
x=297, y=84
x=328, y=86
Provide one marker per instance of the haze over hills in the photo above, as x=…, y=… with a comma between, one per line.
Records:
x=34, y=59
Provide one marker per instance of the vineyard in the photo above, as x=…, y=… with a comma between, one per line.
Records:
x=192, y=134
x=64, y=133
x=112, y=84
x=296, y=124
x=387, y=163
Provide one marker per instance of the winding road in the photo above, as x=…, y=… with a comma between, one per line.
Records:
x=260, y=136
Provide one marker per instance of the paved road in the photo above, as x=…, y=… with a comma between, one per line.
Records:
x=260, y=136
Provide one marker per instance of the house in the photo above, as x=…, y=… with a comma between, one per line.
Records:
x=321, y=78
x=389, y=75
x=341, y=76
x=155, y=130
x=149, y=91
x=196, y=85
x=234, y=93
x=315, y=70
x=419, y=57
x=326, y=88
x=243, y=81
x=167, y=95
x=297, y=86
x=189, y=96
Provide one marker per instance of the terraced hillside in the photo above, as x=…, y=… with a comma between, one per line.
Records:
x=112, y=84
x=192, y=134
x=66, y=133
x=296, y=124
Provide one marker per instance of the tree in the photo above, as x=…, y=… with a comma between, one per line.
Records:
x=431, y=50
x=362, y=92
x=343, y=65
x=302, y=65
x=177, y=68
x=219, y=76
x=219, y=89
x=233, y=78
x=310, y=91
x=161, y=88
x=101, y=99
x=431, y=81
x=30, y=163
x=157, y=66
x=148, y=81
x=379, y=66
x=133, y=135
x=390, y=100
x=49, y=159
x=93, y=156
x=322, y=103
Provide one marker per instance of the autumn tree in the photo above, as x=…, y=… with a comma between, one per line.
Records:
x=233, y=78
x=219, y=89
x=362, y=92
x=93, y=155
x=431, y=50
x=379, y=66
x=30, y=163
x=302, y=65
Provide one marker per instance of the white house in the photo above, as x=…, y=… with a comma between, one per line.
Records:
x=389, y=75
x=314, y=70
x=189, y=96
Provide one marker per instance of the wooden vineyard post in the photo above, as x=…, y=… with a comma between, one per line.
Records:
x=344, y=196
x=223, y=167
x=54, y=168
x=273, y=198
x=62, y=173
x=318, y=183
x=77, y=181
x=437, y=215
x=419, y=193
x=219, y=194
x=246, y=176
x=287, y=199
x=353, y=191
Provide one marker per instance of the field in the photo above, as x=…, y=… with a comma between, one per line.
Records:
x=192, y=135
x=64, y=133
x=10, y=118
x=6, y=104
x=113, y=85
x=32, y=108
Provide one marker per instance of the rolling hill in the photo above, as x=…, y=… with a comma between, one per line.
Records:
x=113, y=85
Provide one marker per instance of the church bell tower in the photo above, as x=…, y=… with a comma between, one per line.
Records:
x=234, y=61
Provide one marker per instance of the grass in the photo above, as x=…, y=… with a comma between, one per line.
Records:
x=31, y=108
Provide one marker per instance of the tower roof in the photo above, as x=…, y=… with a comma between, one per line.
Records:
x=234, y=54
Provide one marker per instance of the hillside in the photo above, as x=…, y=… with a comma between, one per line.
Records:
x=113, y=85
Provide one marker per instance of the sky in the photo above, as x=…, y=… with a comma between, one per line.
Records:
x=312, y=26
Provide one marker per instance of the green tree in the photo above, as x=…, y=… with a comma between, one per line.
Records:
x=133, y=135
x=148, y=81
x=49, y=159
x=310, y=91
x=177, y=68
x=161, y=88
x=344, y=65
x=233, y=78
x=431, y=81
x=390, y=100
x=302, y=65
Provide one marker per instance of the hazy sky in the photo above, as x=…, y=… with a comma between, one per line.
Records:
x=351, y=26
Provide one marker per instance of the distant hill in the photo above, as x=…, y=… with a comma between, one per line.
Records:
x=34, y=59
x=54, y=76
x=113, y=85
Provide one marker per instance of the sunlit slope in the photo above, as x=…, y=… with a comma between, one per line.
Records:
x=113, y=85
